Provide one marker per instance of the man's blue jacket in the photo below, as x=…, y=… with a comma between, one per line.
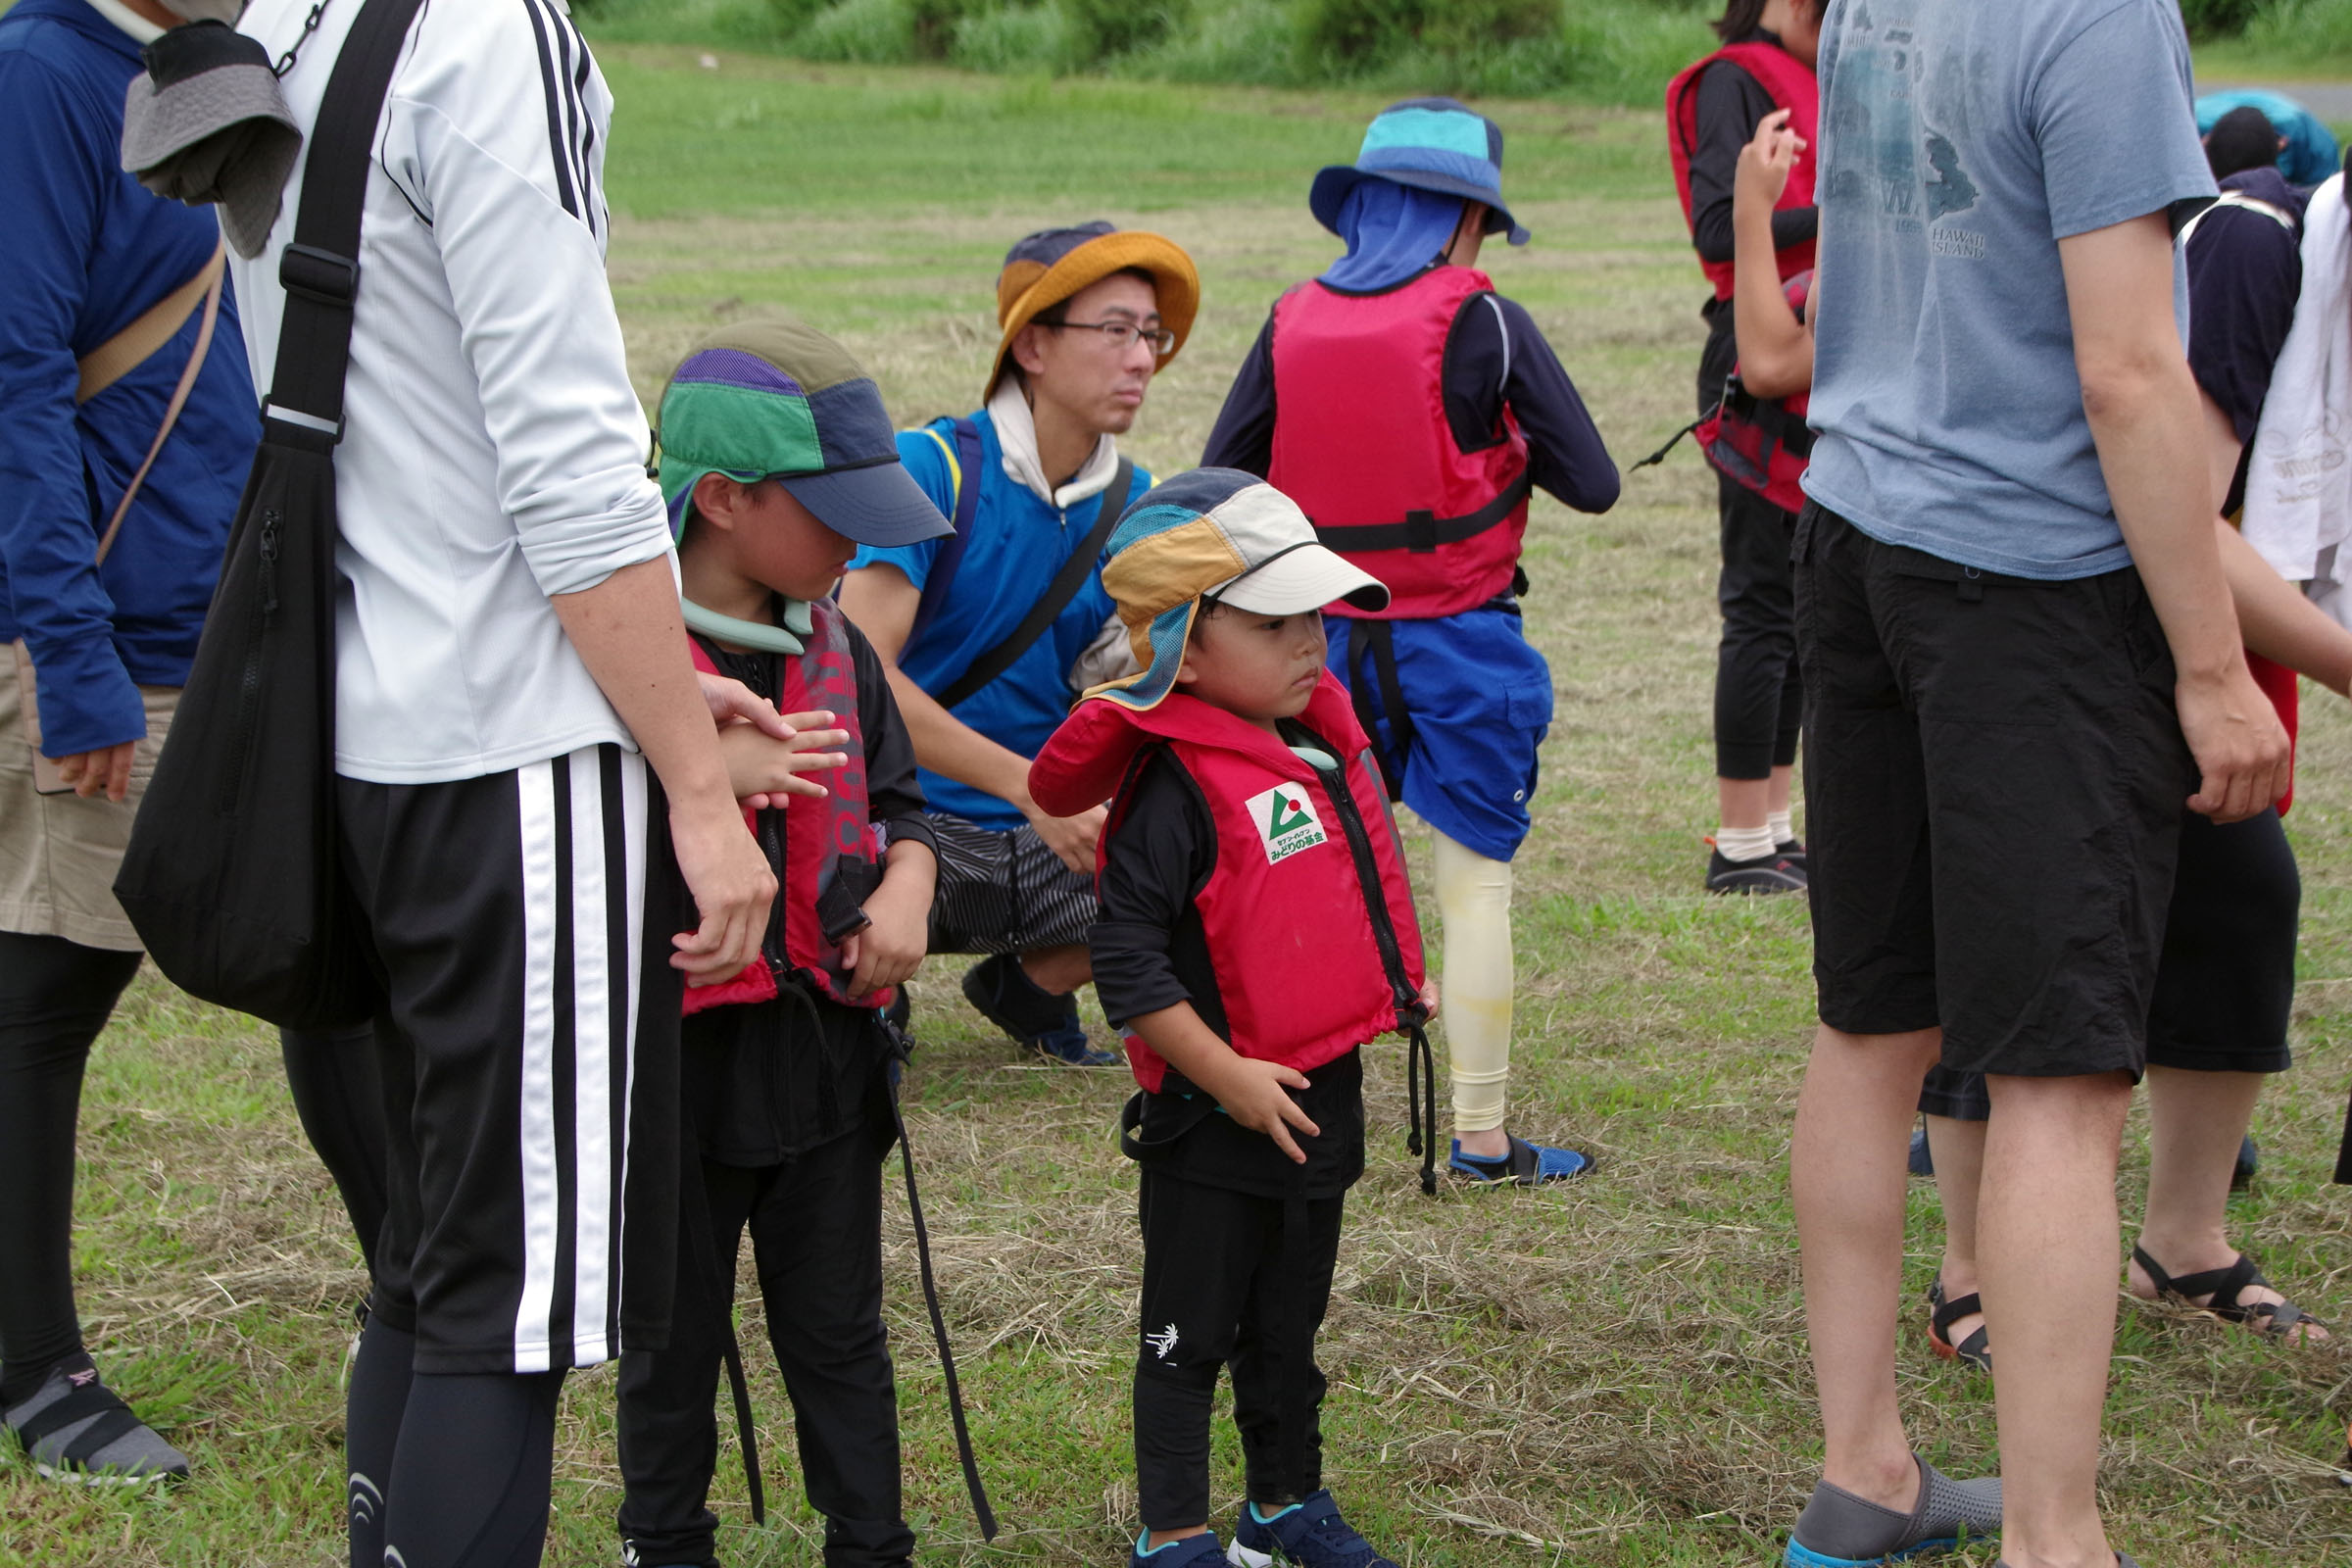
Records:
x=87, y=251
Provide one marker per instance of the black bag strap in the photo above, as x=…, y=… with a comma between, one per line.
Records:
x=1422, y=533
x=320, y=269
x=1058, y=595
x=965, y=448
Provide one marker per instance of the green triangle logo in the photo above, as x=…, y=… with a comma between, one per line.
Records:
x=1285, y=814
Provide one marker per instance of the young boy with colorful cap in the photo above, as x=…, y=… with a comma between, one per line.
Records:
x=778, y=462
x=980, y=632
x=1407, y=408
x=1256, y=929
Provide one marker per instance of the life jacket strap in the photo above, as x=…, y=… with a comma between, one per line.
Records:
x=1422, y=533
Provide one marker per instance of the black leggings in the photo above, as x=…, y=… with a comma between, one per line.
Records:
x=1758, y=693
x=55, y=996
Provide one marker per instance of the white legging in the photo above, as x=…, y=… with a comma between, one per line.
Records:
x=1474, y=905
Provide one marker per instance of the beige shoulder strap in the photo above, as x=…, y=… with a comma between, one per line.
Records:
x=115, y=358
x=211, y=278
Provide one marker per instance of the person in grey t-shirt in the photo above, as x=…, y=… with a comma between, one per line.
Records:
x=2020, y=659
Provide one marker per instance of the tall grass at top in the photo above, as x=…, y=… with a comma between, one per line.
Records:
x=1601, y=51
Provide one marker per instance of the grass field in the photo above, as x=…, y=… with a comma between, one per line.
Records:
x=1610, y=1375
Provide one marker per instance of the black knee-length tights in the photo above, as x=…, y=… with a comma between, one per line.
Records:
x=55, y=997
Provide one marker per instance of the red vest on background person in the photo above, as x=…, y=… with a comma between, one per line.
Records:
x=827, y=859
x=1792, y=85
x=1304, y=943
x=1762, y=443
x=1361, y=442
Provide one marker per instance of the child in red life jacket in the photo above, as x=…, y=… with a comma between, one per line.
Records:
x=1257, y=928
x=1408, y=408
x=778, y=461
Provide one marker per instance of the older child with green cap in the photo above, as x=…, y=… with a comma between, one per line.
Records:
x=778, y=462
x=1256, y=929
x=1408, y=407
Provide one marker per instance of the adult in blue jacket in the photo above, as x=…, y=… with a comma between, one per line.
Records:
x=89, y=251
x=1088, y=315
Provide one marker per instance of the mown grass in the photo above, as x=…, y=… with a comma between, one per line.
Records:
x=1612, y=1375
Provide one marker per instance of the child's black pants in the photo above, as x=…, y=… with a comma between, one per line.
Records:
x=817, y=1240
x=1218, y=1290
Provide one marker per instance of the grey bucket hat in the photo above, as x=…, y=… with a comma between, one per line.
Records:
x=206, y=123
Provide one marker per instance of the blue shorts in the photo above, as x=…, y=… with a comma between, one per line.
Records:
x=1476, y=701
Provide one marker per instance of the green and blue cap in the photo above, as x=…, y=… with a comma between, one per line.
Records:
x=1436, y=144
x=1214, y=537
x=779, y=400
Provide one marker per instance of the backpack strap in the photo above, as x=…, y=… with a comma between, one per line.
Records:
x=963, y=480
x=1056, y=598
x=321, y=270
x=2233, y=198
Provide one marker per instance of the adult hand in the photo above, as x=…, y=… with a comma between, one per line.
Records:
x=1254, y=1093
x=731, y=702
x=762, y=769
x=2242, y=749
x=891, y=948
x=106, y=769
x=1429, y=999
x=1072, y=839
x=732, y=886
x=1765, y=161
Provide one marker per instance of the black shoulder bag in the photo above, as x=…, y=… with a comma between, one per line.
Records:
x=233, y=877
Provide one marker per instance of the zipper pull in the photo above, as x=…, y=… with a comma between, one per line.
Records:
x=269, y=548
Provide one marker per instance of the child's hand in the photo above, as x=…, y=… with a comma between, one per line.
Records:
x=761, y=769
x=1253, y=1094
x=891, y=948
x=1765, y=162
x=1429, y=999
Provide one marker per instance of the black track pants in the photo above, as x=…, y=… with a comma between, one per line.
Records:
x=1217, y=1289
x=816, y=1242
x=339, y=1096
x=55, y=997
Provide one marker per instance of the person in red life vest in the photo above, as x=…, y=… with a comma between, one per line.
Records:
x=1256, y=930
x=1712, y=108
x=2224, y=979
x=1408, y=408
x=778, y=461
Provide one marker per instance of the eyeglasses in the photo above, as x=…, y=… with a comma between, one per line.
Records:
x=1120, y=334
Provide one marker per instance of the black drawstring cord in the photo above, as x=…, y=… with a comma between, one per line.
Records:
x=1421, y=1098
x=901, y=1048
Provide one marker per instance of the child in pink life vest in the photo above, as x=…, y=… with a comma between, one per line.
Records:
x=1257, y=928
x=778, y=461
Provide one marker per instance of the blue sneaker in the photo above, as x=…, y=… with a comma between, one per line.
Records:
x=1310, y=1533
x=1526, y=1166
x=1046, y=1023
x=1193, y=1551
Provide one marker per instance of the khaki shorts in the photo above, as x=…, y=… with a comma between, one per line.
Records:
x=59, y=853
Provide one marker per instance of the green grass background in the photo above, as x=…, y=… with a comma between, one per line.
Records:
x=1612, y=1374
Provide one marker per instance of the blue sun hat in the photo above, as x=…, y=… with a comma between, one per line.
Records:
x=1214, y=537
x=1435, y=144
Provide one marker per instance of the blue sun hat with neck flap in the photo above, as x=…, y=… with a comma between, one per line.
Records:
x=1432, y=144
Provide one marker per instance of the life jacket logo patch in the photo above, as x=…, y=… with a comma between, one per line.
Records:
x=1286, y=822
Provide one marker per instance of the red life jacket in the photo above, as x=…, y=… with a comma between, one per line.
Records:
x=1762, y=442
x=1362, y=444
x=1792, y=85
x=823, y=850
x=1309, y=913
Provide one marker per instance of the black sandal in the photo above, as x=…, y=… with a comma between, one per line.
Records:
x=1977, y=1349
x=2221, y=1287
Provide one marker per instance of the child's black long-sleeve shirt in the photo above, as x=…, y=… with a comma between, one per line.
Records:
x=1151, y=950
x=764, y=1081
